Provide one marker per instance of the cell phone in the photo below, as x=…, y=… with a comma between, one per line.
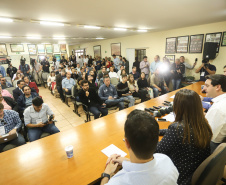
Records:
x=161, y=119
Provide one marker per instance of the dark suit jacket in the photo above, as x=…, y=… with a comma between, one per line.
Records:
x=17, y=92
x=22, y=101
x=11, y=103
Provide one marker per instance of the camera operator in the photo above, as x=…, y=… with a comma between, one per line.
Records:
x=25, y=68
x=37, y=71
x=11, y=70
x=63, y=60
x=205, y=69
x=45, y=65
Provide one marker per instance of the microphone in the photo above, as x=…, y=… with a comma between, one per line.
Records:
x=154, y=112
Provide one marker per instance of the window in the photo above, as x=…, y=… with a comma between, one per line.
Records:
x=140, y=53
x=79, y=52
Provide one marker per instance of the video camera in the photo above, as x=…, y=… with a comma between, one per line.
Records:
x=8, y=61
x=22, y=61
x=205, y=62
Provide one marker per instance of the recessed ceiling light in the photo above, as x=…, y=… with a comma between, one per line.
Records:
x=51, y=23
x=2, y=19
x=120, y=29
x=5, y=37
x=59, y=38
x=99, y=38
x=33, y=37
x=92, y=27
x=142, y=30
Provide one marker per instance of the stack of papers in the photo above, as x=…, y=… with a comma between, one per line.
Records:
x=112, y=149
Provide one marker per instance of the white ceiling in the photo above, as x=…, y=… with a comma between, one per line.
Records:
x=154, y=15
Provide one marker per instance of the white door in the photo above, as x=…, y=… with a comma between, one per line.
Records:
x=130, y=56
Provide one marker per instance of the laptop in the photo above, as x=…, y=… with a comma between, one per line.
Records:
x=6, y=137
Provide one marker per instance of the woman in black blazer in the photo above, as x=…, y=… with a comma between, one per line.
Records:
x=187, y=140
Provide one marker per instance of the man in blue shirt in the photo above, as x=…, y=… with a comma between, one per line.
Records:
x=68, y=83
x=154, y=65
x=10, y=124
x=4, y=83
x=108, y=93
x=205, y=69
x=2, y=71
x=144, y=167
x=117, y=63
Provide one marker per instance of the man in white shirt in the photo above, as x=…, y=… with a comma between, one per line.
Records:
x=113, y=74
x=85, y=60
x=144, y=167
x=215, y=87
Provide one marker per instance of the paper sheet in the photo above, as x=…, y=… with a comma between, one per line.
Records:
x=172, y=96
x=112, y=149
x=170, y=117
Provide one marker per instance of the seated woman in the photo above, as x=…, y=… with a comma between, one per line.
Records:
x=123, y=72
x=187, y=140
x=134, y=89
x=52, y=78
x=143, y=85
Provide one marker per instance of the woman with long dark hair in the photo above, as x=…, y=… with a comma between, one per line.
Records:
x=187, y=140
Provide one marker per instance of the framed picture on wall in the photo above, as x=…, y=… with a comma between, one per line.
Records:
x=2, y=60
x=223, y=43
x=49, y=48
x=17, y=47
x=171, y=58
x=97, y=51
x=182, y=44
x=41, y=48
x=32, y=49
x=63, y=48
x=170, y=45
x=56, y=48
x=116, y=49
x=214, y=37
x=196, y=43
x=3, y=50
x=57, y=56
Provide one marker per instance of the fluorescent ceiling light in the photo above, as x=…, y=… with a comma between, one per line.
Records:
x=45, y=43
x=142, y=30
x=5, y=37
x=99, y=38
x=59, y=38
x=120, y=29
x=33, y=37
x=51, y=23
x=5, y=19
x=92, y=27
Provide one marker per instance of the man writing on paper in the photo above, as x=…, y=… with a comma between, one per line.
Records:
x=144, y=167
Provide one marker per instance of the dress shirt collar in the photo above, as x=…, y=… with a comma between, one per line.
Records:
x=32, y=110
x=219, y=98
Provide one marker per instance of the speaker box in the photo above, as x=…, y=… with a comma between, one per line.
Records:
x=210, y=50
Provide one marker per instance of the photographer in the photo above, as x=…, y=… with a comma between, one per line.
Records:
x=37, y=71
x=205, y=69
x=177, y=71
x=45, y=65
x=36, y=119
x=24, y=68
x=11, y=70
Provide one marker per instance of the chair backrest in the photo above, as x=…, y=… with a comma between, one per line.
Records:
x=15, y=83
x=45, y=76
x=10, y=89
x=73, y=91
x=211, y=170
x=114, y=81
x=8, y=79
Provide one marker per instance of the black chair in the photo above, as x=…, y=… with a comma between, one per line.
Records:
x=87, y=112
x=73, y=100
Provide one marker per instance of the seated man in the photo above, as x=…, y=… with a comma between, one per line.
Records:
x=123, y=91
x=25, y=100
x=90, y=98
x=113, y=74
x=108, y=93
x=158, y=84
x=68, y=83
x=59, y=79
x=32, y=85
x=18, y=91
x=4, y=92
x=101, y=80
x=134, y=72
x=101, y=74
x=10, y=124
x=4, y=83
x=120, y=71
x=144, y=167
x=9, y=103
x=205, y=69
x=91, y=82
x=36, y=120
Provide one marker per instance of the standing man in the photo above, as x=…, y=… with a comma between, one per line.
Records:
x=154, y=65
x=144, y=67
x=11, y=124
x=215, y=87
x=59, y=79
x=24, y=68
x=68, y=83
x=187, y=65
x=37, y=72
x=85, y=60
x=36, y=119
x=45, y=65
x=90, y=98
x=137, y=64
x=117, y=63
x=11, y=70
x=205, y=69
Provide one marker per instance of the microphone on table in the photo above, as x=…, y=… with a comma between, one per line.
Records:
x=161, y=110
x=154, y=112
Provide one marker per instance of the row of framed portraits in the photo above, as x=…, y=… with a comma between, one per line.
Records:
x=34, y=49
x=115, y=49
x=180, y=44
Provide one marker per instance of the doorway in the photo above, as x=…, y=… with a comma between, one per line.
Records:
x=140, y=53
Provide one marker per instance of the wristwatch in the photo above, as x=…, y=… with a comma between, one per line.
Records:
x=105, y=175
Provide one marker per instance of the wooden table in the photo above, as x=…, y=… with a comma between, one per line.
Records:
x=44, y=161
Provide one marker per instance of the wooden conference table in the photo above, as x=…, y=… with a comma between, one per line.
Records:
x=45, y=162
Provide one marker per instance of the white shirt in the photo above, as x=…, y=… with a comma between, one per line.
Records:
x=113, y=74
x=216, y=117
x=119, y=73
x=85, y=60
x=159, y=171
